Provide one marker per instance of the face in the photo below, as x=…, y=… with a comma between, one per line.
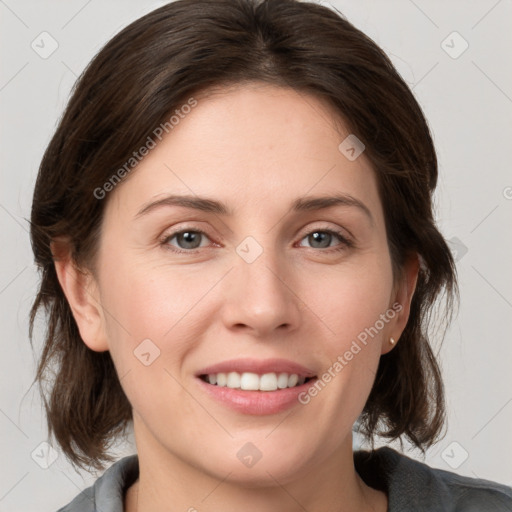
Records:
x=260, y=280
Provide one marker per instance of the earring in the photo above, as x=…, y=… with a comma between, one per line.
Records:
x=392, y=341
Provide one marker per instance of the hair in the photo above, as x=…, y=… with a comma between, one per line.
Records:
x=131, y=87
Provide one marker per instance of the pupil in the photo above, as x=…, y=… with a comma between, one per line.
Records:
x=319, y=236
x=189, y=237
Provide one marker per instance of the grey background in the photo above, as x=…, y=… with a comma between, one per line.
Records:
x=467, y=101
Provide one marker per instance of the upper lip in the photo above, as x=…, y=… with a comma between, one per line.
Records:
x=259, y=366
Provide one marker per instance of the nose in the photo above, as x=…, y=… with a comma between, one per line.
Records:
x=260, y=298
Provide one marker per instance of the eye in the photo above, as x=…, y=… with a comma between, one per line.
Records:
x=187, y=239
x=322, y=238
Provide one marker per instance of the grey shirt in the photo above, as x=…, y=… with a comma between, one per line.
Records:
x=411, y=486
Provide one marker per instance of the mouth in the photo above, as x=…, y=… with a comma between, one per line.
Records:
x=249, y=381
x=254, y=386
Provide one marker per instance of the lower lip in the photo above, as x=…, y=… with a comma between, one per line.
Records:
x=256, y=402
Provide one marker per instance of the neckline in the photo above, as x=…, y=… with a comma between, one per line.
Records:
x=374, y=467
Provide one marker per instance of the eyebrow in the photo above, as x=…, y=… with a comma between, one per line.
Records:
x=301, y=204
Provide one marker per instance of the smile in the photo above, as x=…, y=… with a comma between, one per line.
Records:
x=256, y=386
x=249, y=381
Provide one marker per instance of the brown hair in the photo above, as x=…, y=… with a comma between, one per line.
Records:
x=132, y=86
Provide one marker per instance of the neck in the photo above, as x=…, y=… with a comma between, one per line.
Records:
x=167, y=480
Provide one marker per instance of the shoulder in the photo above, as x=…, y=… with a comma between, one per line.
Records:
x=107, y=492
x=413, y=485
x=471, y=494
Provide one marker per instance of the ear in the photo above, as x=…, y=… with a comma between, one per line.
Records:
x=403, y=292
x=82, y=294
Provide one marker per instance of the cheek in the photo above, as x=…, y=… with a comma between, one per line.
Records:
x=350, y=300
x=162, y=304
x=151, y=301
x=361, y=317
x=148, y=320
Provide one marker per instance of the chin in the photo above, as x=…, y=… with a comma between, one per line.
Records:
x=256, y=462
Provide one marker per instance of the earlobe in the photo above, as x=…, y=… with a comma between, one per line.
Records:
x=402, y=298
x=80, y=289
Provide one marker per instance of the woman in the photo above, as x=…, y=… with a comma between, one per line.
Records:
x=235, y=230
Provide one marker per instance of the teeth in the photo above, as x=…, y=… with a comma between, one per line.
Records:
x=292, y=380
x=282, y=381
x=253, y=382
x=268, y=382
x=233, y=380
x=249, y=381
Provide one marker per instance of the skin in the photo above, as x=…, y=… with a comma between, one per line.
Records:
x=257, y=148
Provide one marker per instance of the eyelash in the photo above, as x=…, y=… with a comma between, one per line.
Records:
x=345, y=242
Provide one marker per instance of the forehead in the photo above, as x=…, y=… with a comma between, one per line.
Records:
x=249, y=146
